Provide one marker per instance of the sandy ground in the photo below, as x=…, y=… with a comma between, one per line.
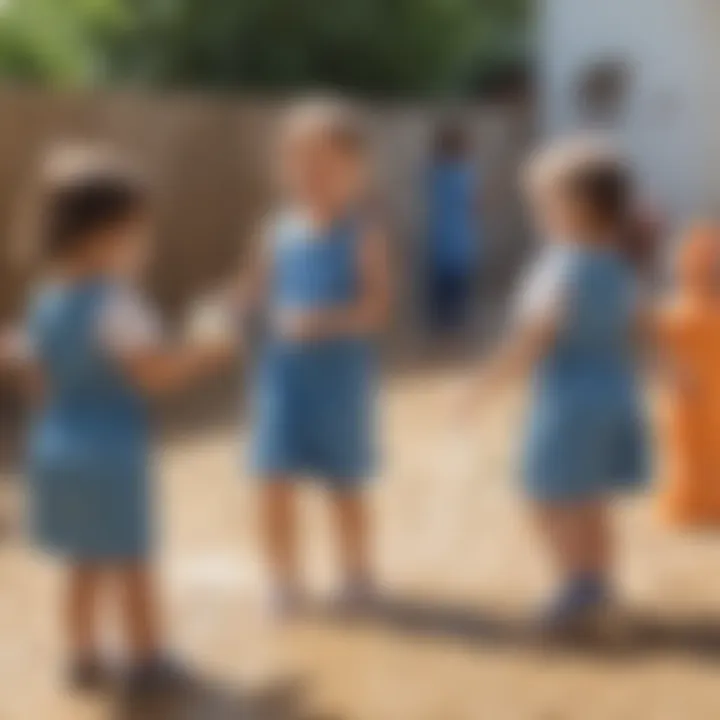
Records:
x=460, y=569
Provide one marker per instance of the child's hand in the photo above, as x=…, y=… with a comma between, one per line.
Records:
x=212, y=322
x=301, y=326
x=14, y=348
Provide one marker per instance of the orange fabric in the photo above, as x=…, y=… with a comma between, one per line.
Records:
x=690, y=332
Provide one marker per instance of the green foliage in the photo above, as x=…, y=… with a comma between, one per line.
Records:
x=374, y=47
x=56, y=40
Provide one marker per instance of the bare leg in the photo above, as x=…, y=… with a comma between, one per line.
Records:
x=596, y=528
x=578, y=537
x=579, y=541
x=140, y=612
x=82, y=600
x=279, y=532
x=350, y=513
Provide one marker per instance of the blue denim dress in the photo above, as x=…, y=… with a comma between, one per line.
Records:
x=88, y=445
x=586, y=432
x=453, y=240
x=313, y=401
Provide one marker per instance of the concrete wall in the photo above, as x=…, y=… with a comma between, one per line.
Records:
x=670, y=53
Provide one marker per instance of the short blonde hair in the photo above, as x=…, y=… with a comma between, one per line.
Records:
x=590, y=171
x=340, y=119
x=555, y=164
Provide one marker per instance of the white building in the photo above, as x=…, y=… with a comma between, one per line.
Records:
x=649, y=70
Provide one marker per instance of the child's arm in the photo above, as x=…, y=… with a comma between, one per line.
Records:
x=167, y=369
x=523, y=349
x=540, y=310
x=249, y=289
x=368, y=314
x=18, y=363
x=129, y=332
x=14, y=353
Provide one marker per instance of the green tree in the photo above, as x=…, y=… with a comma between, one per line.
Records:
x=57, y=41
x=376, y=47
x=373, y=47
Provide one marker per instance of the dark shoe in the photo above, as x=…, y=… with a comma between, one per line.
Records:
x=356, y=597
x=88, y=675
x=161, y=676
x=581, y=607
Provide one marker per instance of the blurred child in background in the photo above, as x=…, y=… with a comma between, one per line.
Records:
x=321, y=272
x=453, y=227
x=97, y=351
x=689, y=335
x=585, y=440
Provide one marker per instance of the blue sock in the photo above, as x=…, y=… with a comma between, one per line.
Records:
x=579, y=594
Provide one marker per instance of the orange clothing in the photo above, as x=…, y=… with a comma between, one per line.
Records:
x=690, y=333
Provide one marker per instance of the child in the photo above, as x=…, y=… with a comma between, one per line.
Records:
x=96, y=347
x=323, y=277
x=453, y=229
x=689, y=333
x=584, y=443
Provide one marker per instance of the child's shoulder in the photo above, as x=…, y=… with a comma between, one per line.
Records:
x=551, y=264
x=282, y=226
x=43, y=297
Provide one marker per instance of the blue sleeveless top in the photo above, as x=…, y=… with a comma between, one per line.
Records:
x=311, y=271
x=88, y=445
x=594, y=348
x=586, y=434
x=452, y=223
x=313, y=399
x=91, y=414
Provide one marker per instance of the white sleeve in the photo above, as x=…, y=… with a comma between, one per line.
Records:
x=128, y=322
x=542, y=290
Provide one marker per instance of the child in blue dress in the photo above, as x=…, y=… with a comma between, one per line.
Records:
x=322, y=276
x=96, y=348
x=584, y=442
x=453, y=229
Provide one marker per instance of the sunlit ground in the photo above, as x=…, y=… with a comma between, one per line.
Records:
x=452, y=535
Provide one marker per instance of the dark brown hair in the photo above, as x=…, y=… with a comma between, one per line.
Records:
x=594, y=175
x=605, y=188
x=450, y=141
x=75, y=209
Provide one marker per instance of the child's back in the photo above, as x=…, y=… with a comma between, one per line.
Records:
x=593, y=342
x=585, y=431
x=91, y=430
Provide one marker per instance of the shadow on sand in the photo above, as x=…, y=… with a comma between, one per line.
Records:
x=632, y=634
x=207, y=701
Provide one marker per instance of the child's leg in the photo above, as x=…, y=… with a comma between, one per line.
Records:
x=279, y=531
x=351, y=518
x=578, y=537
x=82, y=600
x=139, y=607
x=598, y=533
